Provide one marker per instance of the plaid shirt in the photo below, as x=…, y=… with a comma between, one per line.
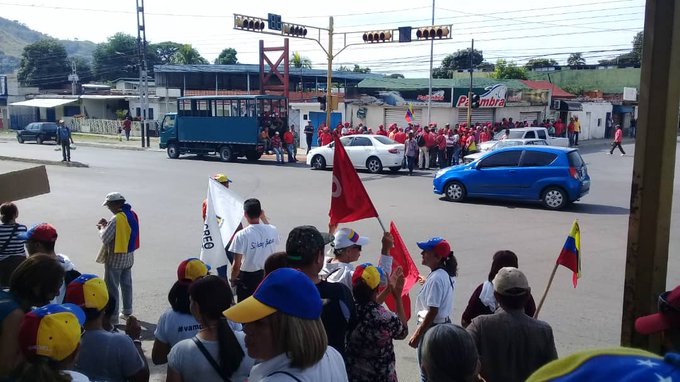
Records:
x=115, y=260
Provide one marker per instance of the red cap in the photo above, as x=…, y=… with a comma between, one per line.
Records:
x=40, y=232
x=668, y=316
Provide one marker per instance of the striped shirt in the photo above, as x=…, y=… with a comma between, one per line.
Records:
x=115, y=260
x=15, y=246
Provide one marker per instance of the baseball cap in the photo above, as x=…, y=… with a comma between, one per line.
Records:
x=304, y=240
x=221, y=178
x=438, y=245
x=371, y=274
x=347, y=237
x=192, y=269
x=612, y=364
x=51, y=331
x=667, y=317
x=87, y=291
x=113, y=197
x=510, y=281
x=285, y=290
x=40, y=232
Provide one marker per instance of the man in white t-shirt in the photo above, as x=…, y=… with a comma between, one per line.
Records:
x=252, y=246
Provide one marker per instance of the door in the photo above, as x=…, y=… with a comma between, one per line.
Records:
x=495, y=175
x=51, y=114
x=534, y=167
x=319, y=117
x=31, y=132
x=359, y=151
x=478, y=115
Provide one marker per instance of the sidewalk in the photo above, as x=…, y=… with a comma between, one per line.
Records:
x=98, y=140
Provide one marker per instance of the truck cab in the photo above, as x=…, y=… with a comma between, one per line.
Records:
x=167, y=131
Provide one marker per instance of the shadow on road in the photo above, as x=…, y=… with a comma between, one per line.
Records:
x=578, y=207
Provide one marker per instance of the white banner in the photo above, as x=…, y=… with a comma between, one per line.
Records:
x=223, y=215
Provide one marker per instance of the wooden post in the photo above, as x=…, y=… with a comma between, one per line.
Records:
x=547, y=288
x=653, y=170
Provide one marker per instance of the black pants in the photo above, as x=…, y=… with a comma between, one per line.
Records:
x=7, y=266
x=66, y=151
x=309, y=142
x=247, y=282
x=615, y=145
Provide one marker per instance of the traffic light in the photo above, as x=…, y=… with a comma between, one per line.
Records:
x=432, y=32
x=294, y=30
x=475, y=101
x=322, y=102
x=250, y=23
x=378, y=36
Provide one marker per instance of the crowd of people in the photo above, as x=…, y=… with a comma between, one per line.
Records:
x=300, y=313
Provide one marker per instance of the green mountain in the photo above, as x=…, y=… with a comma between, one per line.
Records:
x=14, y=36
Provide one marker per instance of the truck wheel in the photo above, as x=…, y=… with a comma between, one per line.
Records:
x=253, y=155
x=554, y=198
x=173, y=151
x=226, y=153
x=39, y=140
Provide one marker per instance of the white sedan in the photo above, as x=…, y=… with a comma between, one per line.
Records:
x=372, y=152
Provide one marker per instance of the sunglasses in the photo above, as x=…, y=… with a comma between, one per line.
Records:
x=664, y=306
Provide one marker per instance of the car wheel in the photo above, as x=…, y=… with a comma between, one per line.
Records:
x=374, y=165
x=455, y=191
x=39, y=140
x=20, y=139
x=226, y=154
x=318, y=162
x=554, y=198
x=173, y=151
x=395, y=168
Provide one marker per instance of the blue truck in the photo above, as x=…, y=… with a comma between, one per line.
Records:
x=227, y=126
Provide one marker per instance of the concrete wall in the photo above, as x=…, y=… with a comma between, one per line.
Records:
x=514, y=112
x=593, y=119
x=303, y=108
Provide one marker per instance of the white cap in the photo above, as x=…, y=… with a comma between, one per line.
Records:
x=510, y=281
x=346, y=237
x=113, y=197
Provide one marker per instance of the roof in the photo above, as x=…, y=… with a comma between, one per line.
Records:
x=557, y=91
x=607, y=80
x=255, y=69
x=422, y=83
x=44, y=102
x=244, y=96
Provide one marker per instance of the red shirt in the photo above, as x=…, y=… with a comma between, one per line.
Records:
x=382, y=132
x=429, y=139
x=441, y=142
x=618, y=136
x=400, y=137
x=288, y=138
x=326, y=138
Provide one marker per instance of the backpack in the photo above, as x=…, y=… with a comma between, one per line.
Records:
x=63, y=133
x=421, y=140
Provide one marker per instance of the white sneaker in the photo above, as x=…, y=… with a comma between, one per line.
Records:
x=609, y=153
x=623, y=155
x=124, y=317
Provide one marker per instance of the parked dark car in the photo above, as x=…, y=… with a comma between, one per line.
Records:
x=39, y=132
x=555, y=176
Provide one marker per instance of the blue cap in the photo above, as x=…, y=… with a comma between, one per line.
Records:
x=613, y=364
x=438, y=245
x=285, y=290
x=430, y=244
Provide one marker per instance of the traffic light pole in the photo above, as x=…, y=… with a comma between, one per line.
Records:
x=469, y=103
x=429, y=90
x=329, y=75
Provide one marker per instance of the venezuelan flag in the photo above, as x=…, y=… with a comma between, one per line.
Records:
x=127, y=231
x=570, y=256
x=409, y=113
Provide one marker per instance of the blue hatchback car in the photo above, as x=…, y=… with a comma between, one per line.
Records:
x=555, y=176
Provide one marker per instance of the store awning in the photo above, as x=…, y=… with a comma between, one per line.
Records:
x=44, y=102
x=568, y=105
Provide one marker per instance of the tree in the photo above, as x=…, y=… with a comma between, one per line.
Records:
x=188, y=55
x=165, y=51
x=509, y=71
x=459, y=60
x=576, y=59
x=299, y=61
x=116, y=58
x=636, y=53
x=227, y=57
x=44, y=64
x=632, y=58
x=540, y=63
x=396, y=75
x=344, y=68
x=359, y=69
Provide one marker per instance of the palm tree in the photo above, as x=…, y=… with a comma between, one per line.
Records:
x=298, y=61
x=576, y=59
x=188, y=55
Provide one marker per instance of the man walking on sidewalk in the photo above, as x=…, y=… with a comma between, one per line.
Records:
x=618, y=137
x=309, y=133
x=65, y=139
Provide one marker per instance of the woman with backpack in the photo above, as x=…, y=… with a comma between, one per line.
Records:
x=12, y=251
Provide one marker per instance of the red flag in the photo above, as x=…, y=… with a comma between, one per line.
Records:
x=401, y=258
x=349, y=199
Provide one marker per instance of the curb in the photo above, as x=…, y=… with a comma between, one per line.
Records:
x=99, y=145
x=46, y=162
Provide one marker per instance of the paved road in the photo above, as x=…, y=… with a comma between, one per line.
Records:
x=167, y=195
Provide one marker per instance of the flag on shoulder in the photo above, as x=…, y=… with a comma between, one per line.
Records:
x=223, y=216
x=570, y=256
x=349, y=199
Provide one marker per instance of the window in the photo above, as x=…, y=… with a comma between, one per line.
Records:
x=168, y=122
x=250, y=108
x=541, y=134
x=150, y=114
x=235, y=108
x=346, y=141
x=362, y=141
x=504, y=159
x=537, y=158
x=384, y=140
x=138, y=112
x=70, y=111
x=575, y=159
x=530, y=134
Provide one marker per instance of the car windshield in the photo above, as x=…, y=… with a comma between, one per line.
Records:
x=384, y=140
x=514, y=134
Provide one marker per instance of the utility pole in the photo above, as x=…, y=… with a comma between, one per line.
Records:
x=329, y=75
x=73, y=77
x=429, y=92
x=469, y=103
x=143, y=73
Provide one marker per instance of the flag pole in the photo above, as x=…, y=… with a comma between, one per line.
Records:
x=381, y=224
x=547, y=288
